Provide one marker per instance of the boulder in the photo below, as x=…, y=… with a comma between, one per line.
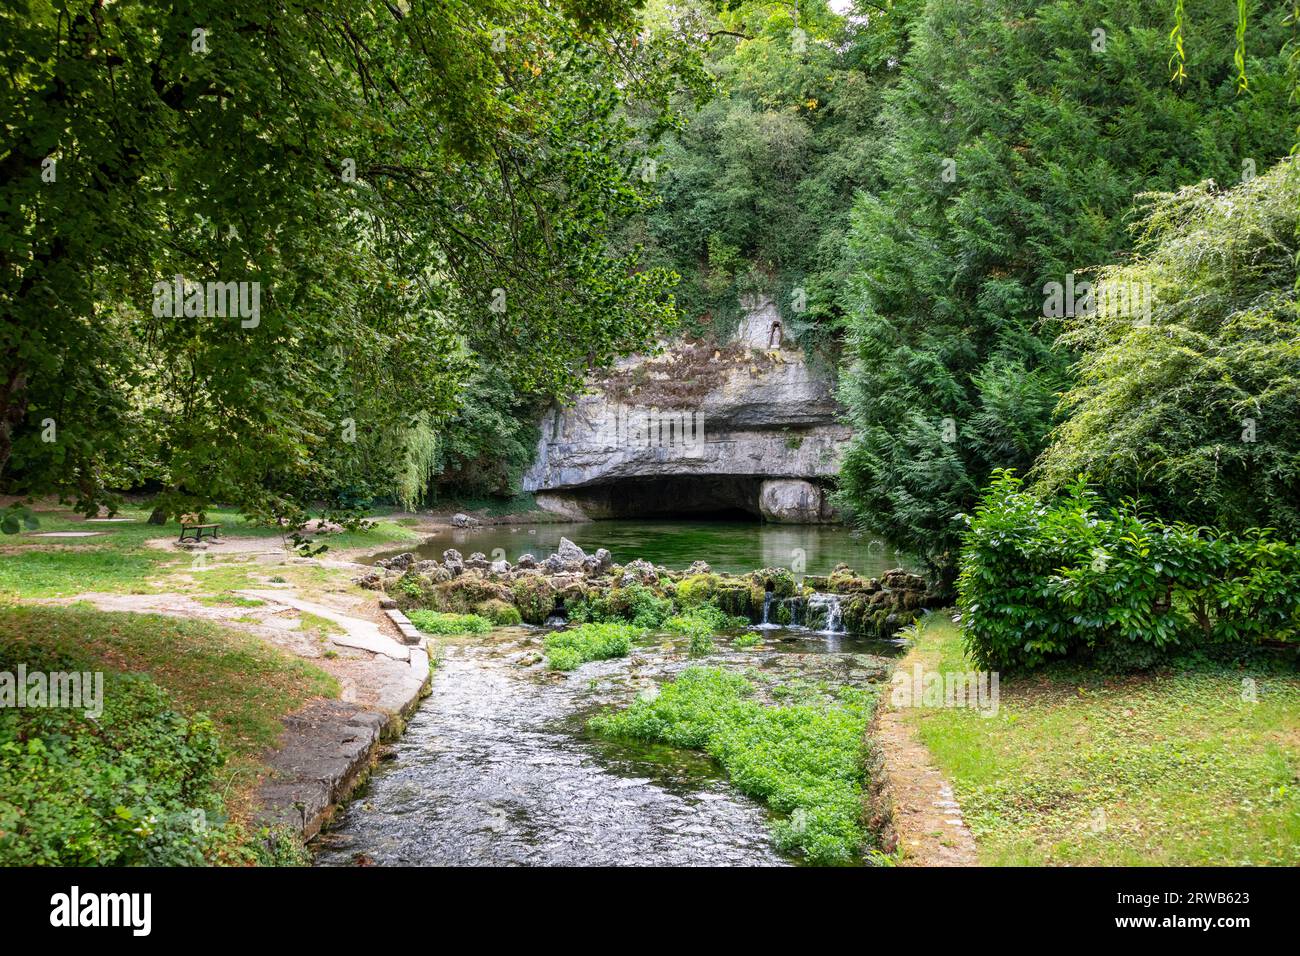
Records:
x=527, y=561
x=639, y=572
x=398, y=562
x=371, y=581
x=500, y=568
x=604, y=560
x=790, y=501
x=568, y=551
x=462, y=520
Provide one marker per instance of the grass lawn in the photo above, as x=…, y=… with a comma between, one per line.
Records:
x=1165, y=768
x=120, y=559
x=243, y=684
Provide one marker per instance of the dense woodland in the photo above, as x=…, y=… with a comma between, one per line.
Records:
x=332, y=259
x=454, y=212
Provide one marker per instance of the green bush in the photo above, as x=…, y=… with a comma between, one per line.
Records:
x=500, y=613
x=135, y=787
x=636, y=603
x=437, y=622
x=804, y=760
x=566, y=650
x=1048, y=579
x=534, y=596
x=695, y=627
x=696, y=589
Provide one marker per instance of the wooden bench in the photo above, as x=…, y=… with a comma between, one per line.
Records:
x=199, y=530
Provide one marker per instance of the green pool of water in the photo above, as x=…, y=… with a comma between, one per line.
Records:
x=727, y=546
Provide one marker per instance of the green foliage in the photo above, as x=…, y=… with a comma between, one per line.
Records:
x=803, y=760
x=499, y=613
x=633, y=602
x=279, y=845
x=697, y=628
x=436, y=622
x=534, y=597
x=1069, y=576
x=136, y=786
x=1196, y=407
x=379, y=172
x=950, y=370
x=566, y=650
x=755, y=187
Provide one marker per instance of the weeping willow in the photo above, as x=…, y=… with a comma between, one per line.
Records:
x=1239, y=55
x=1178, y=60
x=1176, y=37
x=411, y=482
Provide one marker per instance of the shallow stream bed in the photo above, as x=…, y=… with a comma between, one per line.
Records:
x=497, y=767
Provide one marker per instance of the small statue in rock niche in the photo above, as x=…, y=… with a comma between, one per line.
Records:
x=774, y=335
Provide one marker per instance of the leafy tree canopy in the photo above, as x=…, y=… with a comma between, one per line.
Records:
x=1194, y=405
x=403, y=192
x=1012, y=148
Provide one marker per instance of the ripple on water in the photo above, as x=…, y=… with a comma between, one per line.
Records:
x=495, y=769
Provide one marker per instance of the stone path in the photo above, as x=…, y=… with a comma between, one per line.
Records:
x=358, y=633
x=927, y=816
x=328, y=745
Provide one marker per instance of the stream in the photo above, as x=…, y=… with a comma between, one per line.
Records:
x=496, y=768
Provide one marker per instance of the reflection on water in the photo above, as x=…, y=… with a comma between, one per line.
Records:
x=727, y=546
x=496, y=768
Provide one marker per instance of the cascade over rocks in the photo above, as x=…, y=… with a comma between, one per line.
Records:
x=572, y=578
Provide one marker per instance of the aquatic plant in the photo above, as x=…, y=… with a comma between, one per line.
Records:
x=804, y=760
x=566, y=650
x=436, y=622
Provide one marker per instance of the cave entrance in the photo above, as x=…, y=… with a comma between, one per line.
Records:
x=701, y=497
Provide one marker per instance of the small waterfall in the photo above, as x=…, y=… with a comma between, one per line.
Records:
x=826, y=607
x=767, y=605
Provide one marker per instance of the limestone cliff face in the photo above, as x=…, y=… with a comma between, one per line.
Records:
x=696, y=429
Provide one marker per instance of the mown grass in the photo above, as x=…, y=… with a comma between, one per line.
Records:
x=242, y=683
x=567, y=650
x=804, y=759
x=1169, y=768
x=119, y=559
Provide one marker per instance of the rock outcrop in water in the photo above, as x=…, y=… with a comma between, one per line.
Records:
x=696, y=429
x=574, y=582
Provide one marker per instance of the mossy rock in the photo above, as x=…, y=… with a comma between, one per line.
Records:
x=782, y=614
x=501, y=613
x=737, y=600
x=779, y=581
x=534, y=596
x=461, y=595
x=857, y=614
x=696, y=589
x=846, y=581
